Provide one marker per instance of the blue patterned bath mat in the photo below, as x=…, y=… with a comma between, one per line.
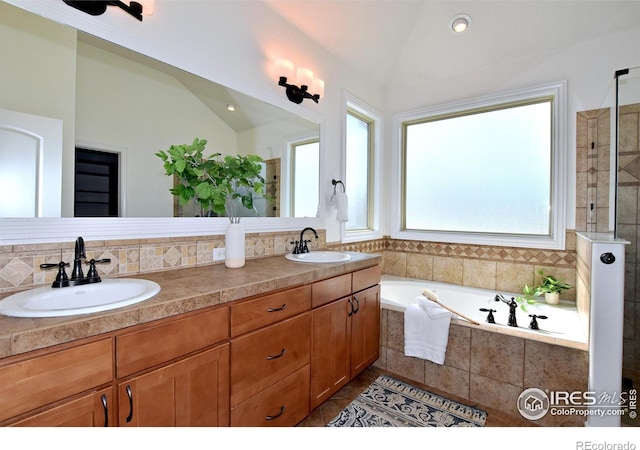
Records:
x=388, y=402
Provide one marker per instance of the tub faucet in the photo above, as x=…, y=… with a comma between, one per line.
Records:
x=301, y=245
x=512, y=309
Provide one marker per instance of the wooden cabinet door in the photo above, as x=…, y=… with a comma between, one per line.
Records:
x=365, y=329
x=92, y=410
x=191, y=392
x=330, y=349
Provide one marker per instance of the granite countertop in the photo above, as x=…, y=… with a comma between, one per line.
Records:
x=183, y=290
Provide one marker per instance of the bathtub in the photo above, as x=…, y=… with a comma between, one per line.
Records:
x=562, y=326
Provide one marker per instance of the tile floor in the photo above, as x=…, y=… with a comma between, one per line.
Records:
x=329, y=409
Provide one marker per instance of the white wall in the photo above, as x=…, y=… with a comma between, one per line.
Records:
x=110, y=116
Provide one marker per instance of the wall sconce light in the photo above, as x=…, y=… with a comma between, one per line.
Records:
x=304, y=78
x=98, y=7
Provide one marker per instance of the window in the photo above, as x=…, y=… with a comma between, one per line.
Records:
x=361, y=167
x=305, y=178
x=359, y=140
x=488, y=171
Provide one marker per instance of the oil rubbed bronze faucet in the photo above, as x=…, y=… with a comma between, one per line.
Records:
x=77, y=275
x=301, y=245
x=512, y=309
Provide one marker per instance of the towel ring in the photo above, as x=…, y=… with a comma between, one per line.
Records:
x=335, y=183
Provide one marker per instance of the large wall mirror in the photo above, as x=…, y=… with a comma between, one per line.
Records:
x=124, y=103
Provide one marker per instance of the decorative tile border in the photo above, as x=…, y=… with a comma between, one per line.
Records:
x=559, y=258
x=20, y=265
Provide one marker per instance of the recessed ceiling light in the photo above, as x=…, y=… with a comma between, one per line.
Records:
x=230, y=107
x=460, y=23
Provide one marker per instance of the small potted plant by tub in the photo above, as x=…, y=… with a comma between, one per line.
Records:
x=551, y=287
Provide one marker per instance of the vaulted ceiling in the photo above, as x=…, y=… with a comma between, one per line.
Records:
x=408, y=42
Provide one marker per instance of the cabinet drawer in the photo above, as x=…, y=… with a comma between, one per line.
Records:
x=42, y=380
x=253, y=314
x=329, y=290
x=282, y=405
x=266, y=356
x=95, y=409
x=146, y=348
x=363, y=279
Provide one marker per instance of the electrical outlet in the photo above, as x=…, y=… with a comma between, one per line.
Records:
x=218, y=254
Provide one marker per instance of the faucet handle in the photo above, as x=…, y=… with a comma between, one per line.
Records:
x=490, y=318
x=534, y=321
x=296, y=247
x=62, y=280
x=92, y=274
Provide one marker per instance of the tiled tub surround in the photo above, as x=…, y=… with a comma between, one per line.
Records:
x=485, y=367
x=488, y=368
x=182, y=291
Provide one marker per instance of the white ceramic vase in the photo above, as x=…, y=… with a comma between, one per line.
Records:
x=552, y=298
x=234, y=245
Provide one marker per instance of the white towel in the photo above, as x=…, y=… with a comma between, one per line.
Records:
x=426, y=330
x=340, y=201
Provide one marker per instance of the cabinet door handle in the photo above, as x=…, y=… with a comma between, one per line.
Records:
x=276, y=356
x=277, y=415
x=103, y=397
x=282, y=308
x=130, y=395
x=357, y=305
x=350, y=313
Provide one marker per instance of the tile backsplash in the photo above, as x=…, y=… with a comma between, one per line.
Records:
x=20, y=264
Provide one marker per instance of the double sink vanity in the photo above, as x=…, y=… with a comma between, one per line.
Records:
x=263, y=345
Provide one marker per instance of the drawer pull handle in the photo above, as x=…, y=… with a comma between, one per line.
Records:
x=103, y=397
x=276, y=356
x=282, y=308
x=277, y=415
x=130, y=395
x=357, y=305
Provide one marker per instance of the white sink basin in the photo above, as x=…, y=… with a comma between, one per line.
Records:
x=88, y=298
x=319, y=257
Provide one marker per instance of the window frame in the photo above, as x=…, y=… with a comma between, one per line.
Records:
x=360, y=109
x=293, y=151
x=556, y=237
x=287, y=167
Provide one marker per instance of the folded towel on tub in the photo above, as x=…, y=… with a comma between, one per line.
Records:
x=426, y=330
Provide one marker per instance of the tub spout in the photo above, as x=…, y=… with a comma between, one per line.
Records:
x=512, y=309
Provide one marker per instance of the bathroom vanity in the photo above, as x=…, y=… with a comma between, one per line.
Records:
x=259, y=346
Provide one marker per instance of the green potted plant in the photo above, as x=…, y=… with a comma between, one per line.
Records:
x=551, y=288
x=220, y=184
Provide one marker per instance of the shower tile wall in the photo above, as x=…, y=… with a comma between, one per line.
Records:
x=592, y=170
x=592, y=167
x=629, y=229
